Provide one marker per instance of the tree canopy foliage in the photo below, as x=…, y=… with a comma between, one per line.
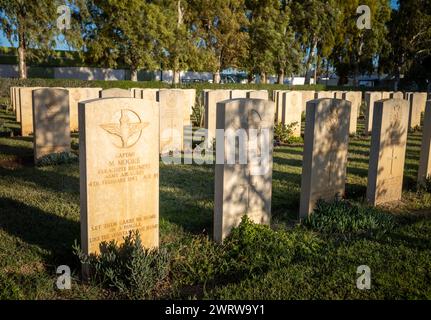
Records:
x=261, y=37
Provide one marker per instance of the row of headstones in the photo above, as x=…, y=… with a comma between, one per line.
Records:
x=291, y=104
x=119, y=160
x=210, y=99
x=117, y=178
x=51, y=113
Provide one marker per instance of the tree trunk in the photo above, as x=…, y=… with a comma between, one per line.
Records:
x=327, y=72
x=21, y=56
x=263, y=78
x=310, y=60
x=176, y=76
x=217, y=77
x=133, y=74
x=316, y=69
x=280, y=79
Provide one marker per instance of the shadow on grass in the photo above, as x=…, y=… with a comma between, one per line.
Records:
x=187, y=197
x=23, y=155
x=51, y=180
x=37, y=227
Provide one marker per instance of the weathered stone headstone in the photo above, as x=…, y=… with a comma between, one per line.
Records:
x=354, y=97
x=258, y=94
x=407, y=95
x=51, y=127
x=116, y=93
x=325, y=152
x=75, y=96
x=244, y=189
x=119, y=171
x=136, y=93
x=425, y=156
x=172, y=106
x=386, y=95
x=237, y=94
x=292, y=105
x=388, y=149
x=324, y=95
x=279, y=103
x=211, y=99
x=370, y=99
x=339, y=94
x=417, y=105
x=422, y=98
x=307, y=95
x=148, y=94
x=17, y=104
x=397, y=95
x=12, y=97
x=190, y=100
x=26, y=110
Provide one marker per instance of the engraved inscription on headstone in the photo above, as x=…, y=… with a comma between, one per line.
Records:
x=119, y=167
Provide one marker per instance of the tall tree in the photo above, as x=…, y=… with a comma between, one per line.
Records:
x=410, y=38
x=181, y=49
x=126, y=32
x=286, y=47
x=33, y=24
x=314, y=21
x=272, y=44
x=220, y=26
x=357, y=50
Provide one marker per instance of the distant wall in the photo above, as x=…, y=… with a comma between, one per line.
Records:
x=8, y=71
x=86, y=73
x=186, y=75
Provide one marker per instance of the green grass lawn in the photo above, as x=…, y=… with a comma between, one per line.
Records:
x=39, y=223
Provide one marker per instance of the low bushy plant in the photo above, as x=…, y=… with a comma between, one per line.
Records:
x=129, y=269
x=343, y=218
x=284, y=134
x=200, y=260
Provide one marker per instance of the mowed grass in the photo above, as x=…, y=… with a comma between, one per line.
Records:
x=39, y=224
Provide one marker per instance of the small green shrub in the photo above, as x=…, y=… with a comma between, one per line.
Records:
x=284, y=133
x=343, y=218
x=200, y=260
x=57, y=159
x=131, y=270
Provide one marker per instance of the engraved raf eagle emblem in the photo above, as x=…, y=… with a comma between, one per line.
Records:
x=126, y=129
